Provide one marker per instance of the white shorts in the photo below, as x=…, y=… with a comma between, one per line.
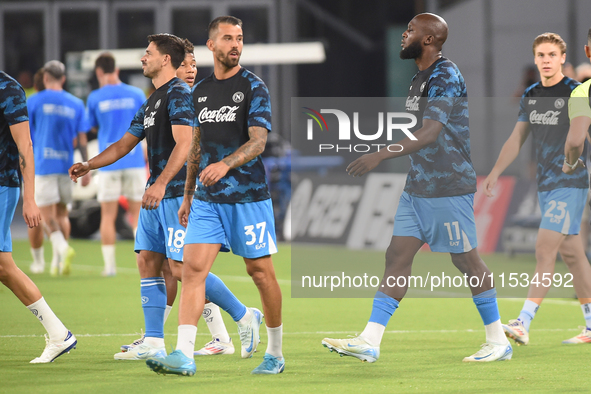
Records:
x=130, y=183
x=53, y=189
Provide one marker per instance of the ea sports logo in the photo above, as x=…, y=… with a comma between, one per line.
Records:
x=238, y=97
x=559, y=103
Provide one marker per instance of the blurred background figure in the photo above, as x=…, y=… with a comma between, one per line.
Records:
x=110, y=111
x=57, y=119
x=568, y=70
x=583, y=72
x=25, y=78
x=36, y=233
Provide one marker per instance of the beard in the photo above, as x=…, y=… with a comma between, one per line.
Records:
x=227, y=61
x=149, y=73
x=414, y=50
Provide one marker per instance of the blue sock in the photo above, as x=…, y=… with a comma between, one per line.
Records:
x=383, y=308
x=153, y=291
x=486, y=303
x=218, y=293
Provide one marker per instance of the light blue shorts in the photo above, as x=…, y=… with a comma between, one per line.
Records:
x=8, y=199
x=248, y=229
x=159, y=230
x=446, y=224
x=562, y=209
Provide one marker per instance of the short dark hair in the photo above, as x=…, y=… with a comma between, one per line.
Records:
x=169, y=44
x=230, y=20
x=106, y=62
x=589, y=36
x=189, y=47
x=38, y=80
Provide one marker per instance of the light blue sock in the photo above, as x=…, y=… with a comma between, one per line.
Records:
x=587, y=314
x=486, y=303
x=528, y=313
x=218, y=293
x=153, y=291
x=383, y=308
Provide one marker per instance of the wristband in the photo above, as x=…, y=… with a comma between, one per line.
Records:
x=571, y=166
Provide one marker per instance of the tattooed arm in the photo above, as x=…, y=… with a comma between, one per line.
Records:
x=254, y=147
x=22, y=137
x=193, y=160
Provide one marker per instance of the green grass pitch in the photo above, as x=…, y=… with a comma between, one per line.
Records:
x=421, y=352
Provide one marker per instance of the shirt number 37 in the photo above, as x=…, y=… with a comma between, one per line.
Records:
x=249, y=231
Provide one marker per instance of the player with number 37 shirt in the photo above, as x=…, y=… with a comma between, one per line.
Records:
x=227, y=203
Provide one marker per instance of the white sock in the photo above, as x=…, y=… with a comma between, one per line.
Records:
x=167, y=312
x=58, y=242
x=109, y=257
x=215, y=322
x=275, y=337
x=54, y=327
x=373, y=333
x=587, y=313
x=186, y=340
x=495, y=334
x=246, y=318
x=154, y=342
x=55, y=257
x=38, y=256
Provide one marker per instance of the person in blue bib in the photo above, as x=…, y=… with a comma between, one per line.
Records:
x=58, y=122
x=110, y=111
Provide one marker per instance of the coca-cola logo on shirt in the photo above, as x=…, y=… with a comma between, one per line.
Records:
x=224, y=114
x=548, y=118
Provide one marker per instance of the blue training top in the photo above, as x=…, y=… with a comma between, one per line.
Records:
x=225, y=110
x=111, y=109
x=56, y=118
x=546, y=111
x=443, y=168
x=169, y=105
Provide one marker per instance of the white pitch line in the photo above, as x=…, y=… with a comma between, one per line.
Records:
x=229, y=278
x=306, y=333
x=546, y=301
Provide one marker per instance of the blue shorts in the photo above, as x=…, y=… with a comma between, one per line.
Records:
x=562, y=209
x=8, y=199
x=248, y=229
x=159, y=230
x=446, y=224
